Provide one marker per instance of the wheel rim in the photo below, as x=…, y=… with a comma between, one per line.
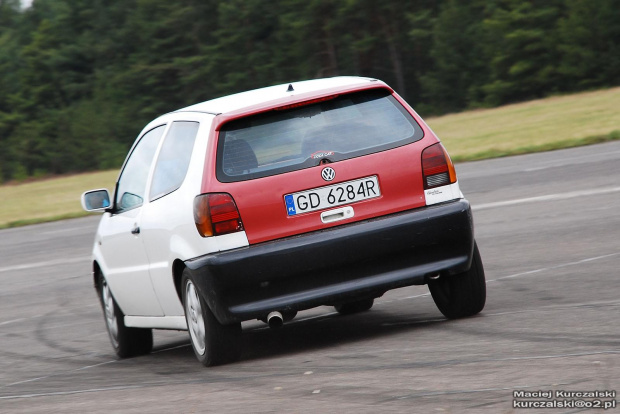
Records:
x=195, y=319
x=110, y=315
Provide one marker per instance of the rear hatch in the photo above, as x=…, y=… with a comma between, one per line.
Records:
x=321, y=163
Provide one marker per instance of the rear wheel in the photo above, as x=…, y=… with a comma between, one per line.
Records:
x=127, y=342
x=355, y=307
x=461, y=295
x=213, y=343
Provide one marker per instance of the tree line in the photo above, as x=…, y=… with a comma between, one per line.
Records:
x=79, y=79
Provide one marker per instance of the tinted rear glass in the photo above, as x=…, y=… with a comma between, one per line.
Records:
x=344, y=127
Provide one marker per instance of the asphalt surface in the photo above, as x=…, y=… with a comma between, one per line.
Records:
x=548, y=227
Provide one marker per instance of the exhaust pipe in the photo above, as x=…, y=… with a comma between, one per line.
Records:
x=275, y=319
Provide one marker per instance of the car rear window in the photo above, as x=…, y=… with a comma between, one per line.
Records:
x=333, y=128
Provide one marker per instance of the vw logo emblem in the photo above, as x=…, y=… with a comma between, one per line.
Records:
x=328, y=173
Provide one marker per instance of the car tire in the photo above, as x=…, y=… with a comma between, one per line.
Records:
x=355, y=307
x=461, y=295
x=213, y=343
x=127, y=342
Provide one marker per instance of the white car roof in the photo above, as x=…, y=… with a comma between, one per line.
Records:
x=242, y=100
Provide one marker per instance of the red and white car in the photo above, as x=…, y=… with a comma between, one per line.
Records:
x=268, y=202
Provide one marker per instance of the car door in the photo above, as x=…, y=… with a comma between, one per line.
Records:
x=167, y=222
x=126, y=264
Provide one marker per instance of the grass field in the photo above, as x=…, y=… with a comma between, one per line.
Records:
x=49, y=199
x=541, y=125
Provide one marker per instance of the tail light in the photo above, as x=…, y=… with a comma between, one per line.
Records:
x=437, y=167
x=216, y=214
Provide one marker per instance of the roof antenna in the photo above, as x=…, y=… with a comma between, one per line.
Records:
x=290, y=88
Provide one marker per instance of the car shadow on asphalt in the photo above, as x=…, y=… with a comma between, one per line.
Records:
x=330, y=331
x=314, y=333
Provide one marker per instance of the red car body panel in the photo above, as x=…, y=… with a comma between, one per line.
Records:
x=261, y=201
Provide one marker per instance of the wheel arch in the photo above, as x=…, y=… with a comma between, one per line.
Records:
x=96, y=273
x=178, y=266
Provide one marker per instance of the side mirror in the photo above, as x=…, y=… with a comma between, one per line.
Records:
x=96, y=200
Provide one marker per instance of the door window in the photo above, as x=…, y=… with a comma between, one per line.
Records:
x=174, y=157
x=131, y=186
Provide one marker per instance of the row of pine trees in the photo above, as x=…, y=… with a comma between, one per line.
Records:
x=79, y=79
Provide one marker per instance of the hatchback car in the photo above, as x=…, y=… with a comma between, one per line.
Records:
x=265, y=203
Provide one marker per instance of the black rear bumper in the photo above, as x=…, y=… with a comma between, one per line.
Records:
x=336, y=265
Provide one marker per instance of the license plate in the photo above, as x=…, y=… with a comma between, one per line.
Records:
x=332, y=195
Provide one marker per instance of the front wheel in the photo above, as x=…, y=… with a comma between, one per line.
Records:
x=213, y=343
x=127, y=342
x=461, y=295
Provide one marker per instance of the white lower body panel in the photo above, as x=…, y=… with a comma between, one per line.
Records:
x=163, y=322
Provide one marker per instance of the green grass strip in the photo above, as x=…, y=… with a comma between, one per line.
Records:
x=530, y=149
